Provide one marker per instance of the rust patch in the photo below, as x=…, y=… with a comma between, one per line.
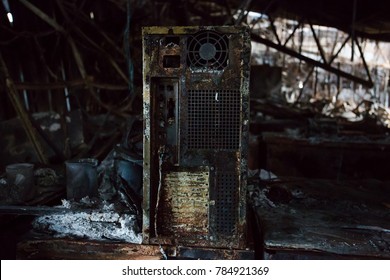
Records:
x=186, y=203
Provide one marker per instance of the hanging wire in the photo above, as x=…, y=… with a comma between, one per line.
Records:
x=162, y=154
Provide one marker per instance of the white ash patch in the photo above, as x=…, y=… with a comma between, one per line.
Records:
x=65, y=204
x=95, y=225
x=54, y=127
x=108, y=207
x=267, y=175
x=86, y=201
x=259, y=198
x=297, y=193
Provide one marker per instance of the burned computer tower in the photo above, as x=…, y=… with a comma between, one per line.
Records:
x=196, y=109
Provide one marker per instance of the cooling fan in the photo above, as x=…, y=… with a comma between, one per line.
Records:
x=208, y=50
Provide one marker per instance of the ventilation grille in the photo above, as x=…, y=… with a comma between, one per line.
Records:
x=226, y=205
x=214, y=119
x=208, y=50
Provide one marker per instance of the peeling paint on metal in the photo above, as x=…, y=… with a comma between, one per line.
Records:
x=186, y=201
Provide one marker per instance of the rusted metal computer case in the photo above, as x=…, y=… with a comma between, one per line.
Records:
x=196, y=109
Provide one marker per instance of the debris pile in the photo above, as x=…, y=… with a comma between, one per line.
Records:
x=93, y=220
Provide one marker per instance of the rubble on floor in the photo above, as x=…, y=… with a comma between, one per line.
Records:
x=331, y=219
x=101, y=222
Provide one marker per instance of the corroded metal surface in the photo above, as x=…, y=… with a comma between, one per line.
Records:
x=185, y=203
x=196, y=114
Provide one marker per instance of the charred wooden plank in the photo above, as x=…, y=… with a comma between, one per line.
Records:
x=76, y=249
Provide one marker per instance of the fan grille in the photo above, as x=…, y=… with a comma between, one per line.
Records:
x=208, y=50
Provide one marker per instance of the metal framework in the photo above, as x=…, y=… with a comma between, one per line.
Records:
x=325, y=63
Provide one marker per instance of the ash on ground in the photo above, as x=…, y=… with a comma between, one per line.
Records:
x=91, y=219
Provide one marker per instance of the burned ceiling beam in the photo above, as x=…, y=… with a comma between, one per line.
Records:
x=323, y=65
x=365, y=18
x=292, y=33
x=22, y=113
x=273, y=28
x=317, y=40
x=77, y=83
x=363, y=59
x=243, y=11
x=334, y=56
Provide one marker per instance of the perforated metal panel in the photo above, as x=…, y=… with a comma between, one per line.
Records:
x=214, y=119
x=226, y=203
